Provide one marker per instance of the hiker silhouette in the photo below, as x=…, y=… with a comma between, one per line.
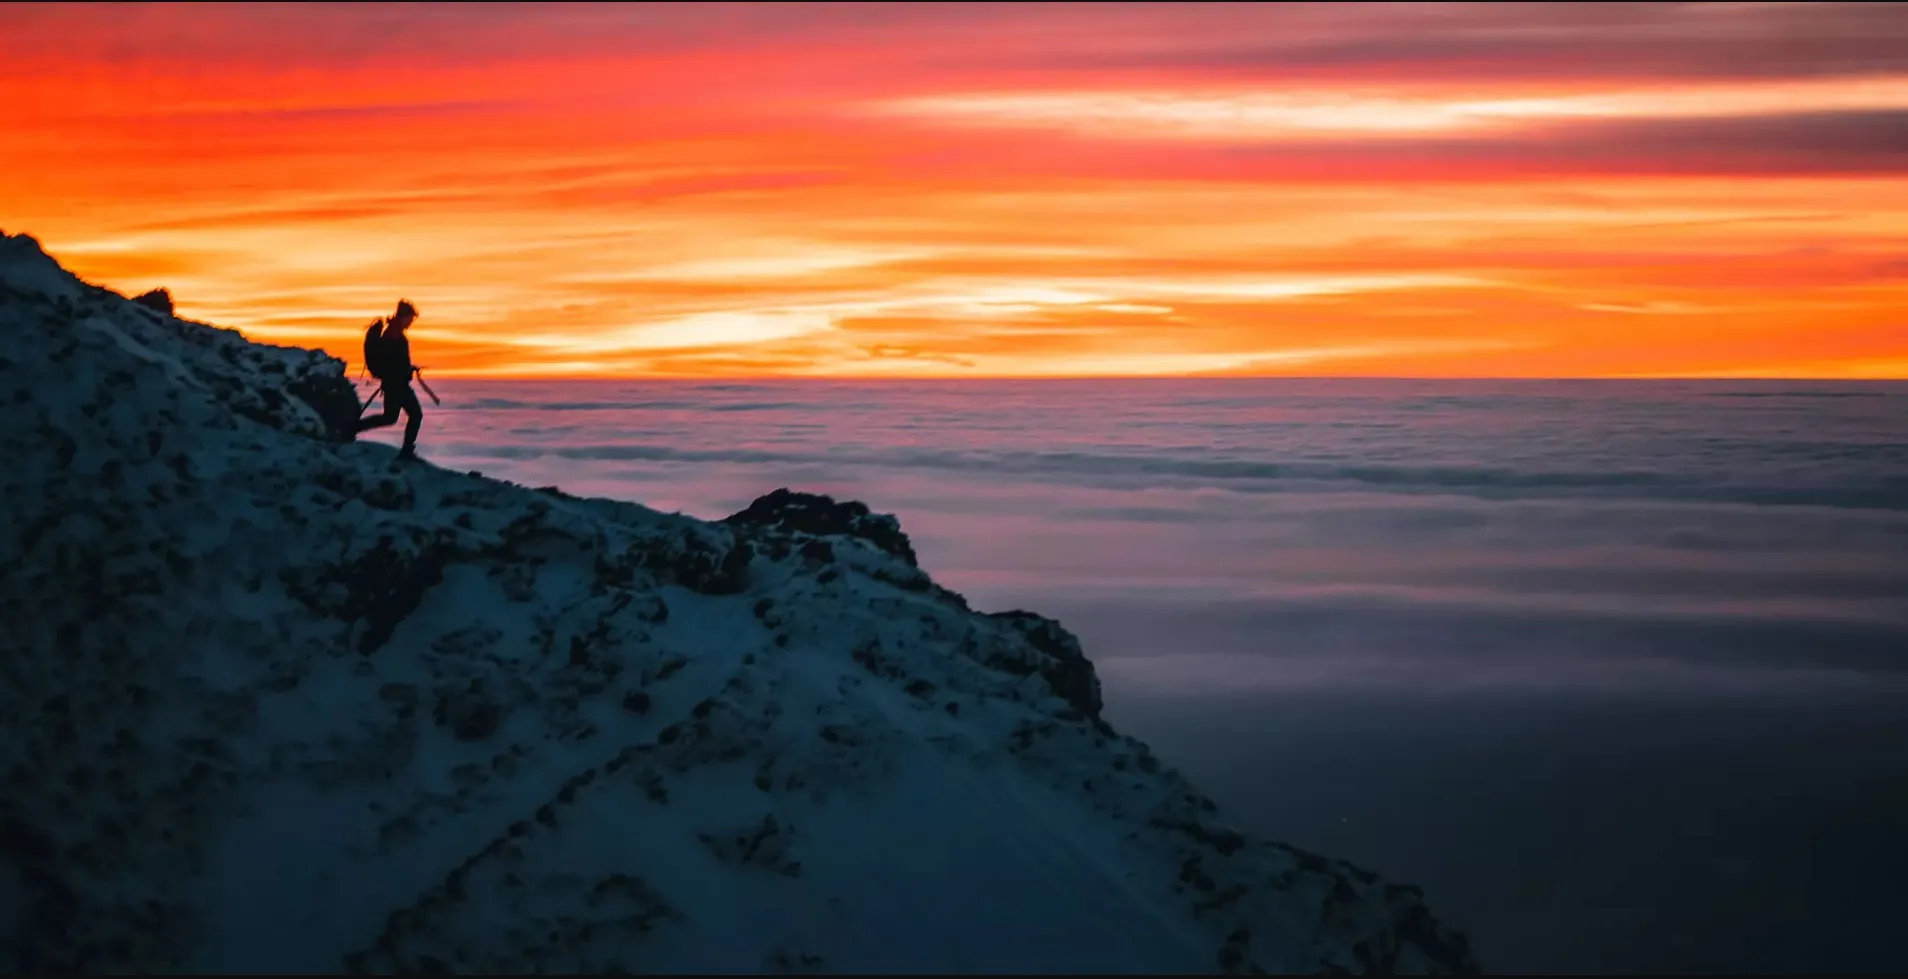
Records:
x=387, y=355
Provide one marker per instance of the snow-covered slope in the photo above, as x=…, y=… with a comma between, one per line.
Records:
x=276, y=704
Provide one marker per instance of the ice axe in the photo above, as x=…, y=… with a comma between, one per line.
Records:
x=419, y=371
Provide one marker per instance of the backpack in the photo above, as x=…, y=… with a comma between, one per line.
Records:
x=377, y=358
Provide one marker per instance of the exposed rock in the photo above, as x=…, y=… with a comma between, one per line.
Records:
x=1066, y=668
x=157, y=300
x=333, y=398
x=787, y=511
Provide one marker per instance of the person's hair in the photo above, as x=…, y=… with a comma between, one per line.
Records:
x=405, y=310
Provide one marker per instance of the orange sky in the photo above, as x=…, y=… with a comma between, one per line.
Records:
x=989, y=189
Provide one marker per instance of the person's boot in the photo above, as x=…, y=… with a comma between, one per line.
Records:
x=407, y=454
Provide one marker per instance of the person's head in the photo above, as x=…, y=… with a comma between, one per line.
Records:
x=404, y=315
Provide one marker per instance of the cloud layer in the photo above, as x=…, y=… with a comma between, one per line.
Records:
x=1212, y=536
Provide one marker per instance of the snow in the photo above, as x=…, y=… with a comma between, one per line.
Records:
x=286, y=706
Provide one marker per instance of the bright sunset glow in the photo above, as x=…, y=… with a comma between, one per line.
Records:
x=989, y=189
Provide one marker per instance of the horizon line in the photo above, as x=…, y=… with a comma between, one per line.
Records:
x=977, y=378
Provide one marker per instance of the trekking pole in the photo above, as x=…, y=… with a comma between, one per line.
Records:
x=367, y=402
x=427, y=388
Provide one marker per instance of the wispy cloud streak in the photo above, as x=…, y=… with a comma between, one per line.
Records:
x=971, y=189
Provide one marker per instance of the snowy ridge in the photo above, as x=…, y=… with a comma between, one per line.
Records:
x=277, y=705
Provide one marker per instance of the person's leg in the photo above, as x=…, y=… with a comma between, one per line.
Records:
x=413, y=419
x=389, y=417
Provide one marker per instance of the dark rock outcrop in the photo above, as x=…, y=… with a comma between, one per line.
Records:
x=1066, y=668
x=788, y=511
x=333, y=398
x=157, y=300
x=701, y=563
x=787, y=520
